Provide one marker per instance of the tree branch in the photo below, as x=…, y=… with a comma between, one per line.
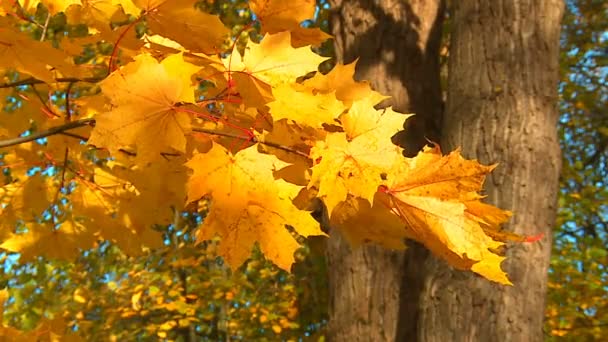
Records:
x=48, y=132
x=253, y=140
x=32, y=81
x=91, y=121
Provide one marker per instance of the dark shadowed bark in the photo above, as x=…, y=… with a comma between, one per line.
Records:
x=397, y=43
x=502, y=95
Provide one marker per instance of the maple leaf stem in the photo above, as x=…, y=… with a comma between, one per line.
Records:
x=48, y=132
x=32, y=81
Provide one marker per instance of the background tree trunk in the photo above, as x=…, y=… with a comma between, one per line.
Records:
x=397, y=43
x=502, y=96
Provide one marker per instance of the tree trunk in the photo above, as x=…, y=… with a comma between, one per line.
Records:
x=397, y=43
x=502, y=95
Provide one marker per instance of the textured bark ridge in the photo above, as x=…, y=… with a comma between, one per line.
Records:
x=502, y=95
x=397, y=43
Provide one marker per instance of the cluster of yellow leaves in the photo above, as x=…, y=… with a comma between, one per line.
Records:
x=184, y=117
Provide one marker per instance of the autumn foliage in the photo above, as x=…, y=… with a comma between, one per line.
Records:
x=163, y=112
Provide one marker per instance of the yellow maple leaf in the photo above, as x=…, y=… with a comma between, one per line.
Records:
x=353, y=162
x=144, y=94
x=180, y=21
x=25, y=199
x=341, y=81
x=153, y=202
x=268, y=64
x=100, y=12
x=436, y=197
x=361, y=222
x=248, y=205
x=125, y=202
x=44, y=239
x=21, y=52
x=54, y=6
x=278, y=16
x=305, y=108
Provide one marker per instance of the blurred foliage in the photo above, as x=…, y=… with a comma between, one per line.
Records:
x=181, y=291
x=577, y=307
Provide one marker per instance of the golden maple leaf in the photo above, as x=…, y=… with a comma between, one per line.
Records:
x=99, y=12
x=436, y=196
x=360, y=221
x=341, y=81
x=305, y=107
x=248, y=205
x=353, y=162
x=19, y=51
x=180, y=21
x=64, y=242
x=144, y=94
x=279, y=15
x=269, y=64
x=54, y=6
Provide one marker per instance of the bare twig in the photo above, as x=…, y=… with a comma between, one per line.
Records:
x=74, y=135
x=44, y=102
x=48, y=132
x=45, y=27
x=252, y=139
x=90, y=121
x=68, y=112
x=32, y=81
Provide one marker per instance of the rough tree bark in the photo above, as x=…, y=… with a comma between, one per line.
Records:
x=501, y=108
x=397, y=43
x=502, y=96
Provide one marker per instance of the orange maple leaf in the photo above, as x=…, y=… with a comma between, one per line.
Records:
x=437, y=197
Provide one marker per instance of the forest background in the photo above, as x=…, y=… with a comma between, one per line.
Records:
x=181, y=290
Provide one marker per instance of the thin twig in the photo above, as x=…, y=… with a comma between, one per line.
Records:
x=48, y=109
x=74, y=135
x=32, y=80
x=68, y=113
x=45, y=27
x=62, y=183
x=253, y=140
x=48, y=132
x=91, y=121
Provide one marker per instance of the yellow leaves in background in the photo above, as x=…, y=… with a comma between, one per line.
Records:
x=58, y=243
